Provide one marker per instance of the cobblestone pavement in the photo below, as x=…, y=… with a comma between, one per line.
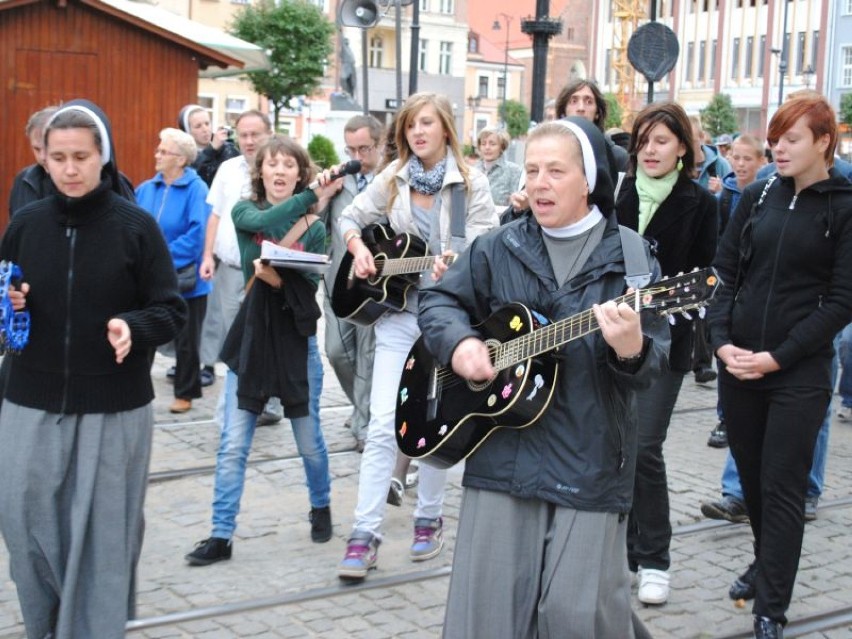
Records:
x=274, y=558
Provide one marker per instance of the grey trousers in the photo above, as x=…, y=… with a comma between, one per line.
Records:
x=524, y=568
x=72, y=490
x=222, y=306
x=350, y=350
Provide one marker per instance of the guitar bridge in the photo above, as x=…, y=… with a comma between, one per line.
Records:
x=432, y=395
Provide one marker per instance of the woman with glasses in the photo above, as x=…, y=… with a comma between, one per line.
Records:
x=176, y=197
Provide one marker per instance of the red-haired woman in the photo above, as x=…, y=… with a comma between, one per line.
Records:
x=785, y=256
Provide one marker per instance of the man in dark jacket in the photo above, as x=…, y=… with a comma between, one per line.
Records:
x=33, y=182
x=552, y=498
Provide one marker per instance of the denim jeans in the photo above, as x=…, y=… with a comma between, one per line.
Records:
x=731, y=479
x=844, y=346
x=395, y=335
x=236, y=433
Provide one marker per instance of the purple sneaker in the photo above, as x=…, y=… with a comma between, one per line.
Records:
x=428, y=539
x=360, y=557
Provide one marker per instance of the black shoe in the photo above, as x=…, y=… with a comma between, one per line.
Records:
x=765, y=628
x=718, y=436
x=320, y=519
x=170, y=374
x=728, y=508
x=209, y=551
x=744, y=586
x=208, y=376
x=704, y=375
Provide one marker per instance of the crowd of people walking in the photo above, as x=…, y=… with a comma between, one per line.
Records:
x=573, y=230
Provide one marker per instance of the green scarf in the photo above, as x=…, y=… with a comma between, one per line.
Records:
x=652, y=192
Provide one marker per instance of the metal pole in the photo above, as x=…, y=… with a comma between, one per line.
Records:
x=364, y=71
x=782, y=64
x=540, y=39
x=651, y=82
x=398, y=52
x=415, y=48
x=508, y=21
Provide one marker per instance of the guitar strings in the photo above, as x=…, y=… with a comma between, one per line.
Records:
x=543, y=339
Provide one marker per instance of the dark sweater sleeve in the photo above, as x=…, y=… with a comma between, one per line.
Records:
x=162, y=311
x=727, y=266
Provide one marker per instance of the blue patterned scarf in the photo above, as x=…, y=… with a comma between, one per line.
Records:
x=423, y=181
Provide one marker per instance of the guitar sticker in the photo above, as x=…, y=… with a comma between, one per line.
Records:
x=409, y=365
x=516, y=324
x=403, y=429
x=403, y=396
x=539, y=383
x=507, y=391
x=442, y=430
x=492, y=399
x=519, y=371
x=421, y=443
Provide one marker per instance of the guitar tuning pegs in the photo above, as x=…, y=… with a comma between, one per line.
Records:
x=702, y=312
x=671, y=318
x=686, y=315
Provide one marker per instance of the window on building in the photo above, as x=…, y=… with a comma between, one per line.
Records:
x=800, y=54
x=608, y=67
x=234, y=105
x=424, y=55
x=501, y=87
x=712, y=74
x=749, y=56
x=846, y=67
x=702, y=61
x=483, y=86
x=424, y=5
x=847, y=7
x=445, y=58
x=735, y=60
x=447, y=6
x=569, y=33
x=761, y=56
x=377, y=47
x=690, y=61
x=472, y=44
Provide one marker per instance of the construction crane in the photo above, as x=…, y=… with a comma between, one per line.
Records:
x=625, y=15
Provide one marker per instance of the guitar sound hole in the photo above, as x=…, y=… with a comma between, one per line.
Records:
x=477, y=387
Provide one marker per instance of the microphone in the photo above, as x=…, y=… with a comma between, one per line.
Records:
x=350, y=168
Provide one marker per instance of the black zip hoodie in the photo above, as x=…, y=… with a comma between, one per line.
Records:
x=787, y=266
x=87, y=260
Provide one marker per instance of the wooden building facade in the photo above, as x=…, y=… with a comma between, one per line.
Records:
x=139, y=73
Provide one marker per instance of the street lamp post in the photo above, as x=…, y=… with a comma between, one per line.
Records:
x=496, y=27
x=473, y=104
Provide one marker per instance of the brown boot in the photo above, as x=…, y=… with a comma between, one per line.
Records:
x=180, y=405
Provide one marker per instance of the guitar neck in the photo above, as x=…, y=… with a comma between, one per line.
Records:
x=550, y=337
x=407, y=265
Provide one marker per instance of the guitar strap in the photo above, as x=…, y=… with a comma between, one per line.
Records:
x=635, y=258
x=457, y=217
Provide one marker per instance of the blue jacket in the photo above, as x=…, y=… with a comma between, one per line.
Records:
x=181, y=210
x=714, y=166
x=728, y=198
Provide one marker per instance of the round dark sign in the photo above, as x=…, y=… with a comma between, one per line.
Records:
x=653, y=50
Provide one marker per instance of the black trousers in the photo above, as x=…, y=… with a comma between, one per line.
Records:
x=702, y=352
x=649, y=531
x=772, y=434
x=187, y=344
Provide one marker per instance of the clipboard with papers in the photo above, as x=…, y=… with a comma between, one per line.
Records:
x=278, y=256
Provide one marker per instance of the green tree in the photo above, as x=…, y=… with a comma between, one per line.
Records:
x=298, y=38
x=614, y=112
x=516, y=116
x=846, y=108
x=321, y=150
x=719, y=116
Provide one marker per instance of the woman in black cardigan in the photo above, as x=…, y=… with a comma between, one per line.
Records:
x=679, y=218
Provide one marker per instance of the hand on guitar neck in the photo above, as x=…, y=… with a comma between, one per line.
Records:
x=365, y=265
x=620, y=327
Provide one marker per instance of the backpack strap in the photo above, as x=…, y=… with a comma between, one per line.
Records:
x=636, y=261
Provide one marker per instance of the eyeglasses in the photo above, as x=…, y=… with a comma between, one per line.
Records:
x=352, y=151
x=164, y=152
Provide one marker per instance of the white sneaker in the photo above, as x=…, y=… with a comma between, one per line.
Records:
x=844, y=414
x=653, y=586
